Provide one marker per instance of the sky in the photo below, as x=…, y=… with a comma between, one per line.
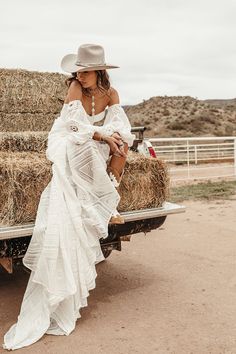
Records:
x=162, y=47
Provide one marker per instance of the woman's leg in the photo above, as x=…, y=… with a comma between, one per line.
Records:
x=117, y=164
x=115, y=170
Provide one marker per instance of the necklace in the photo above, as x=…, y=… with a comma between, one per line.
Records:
x=93, y=105
x=93, y=92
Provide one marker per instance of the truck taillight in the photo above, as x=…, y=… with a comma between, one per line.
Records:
x=152, y=151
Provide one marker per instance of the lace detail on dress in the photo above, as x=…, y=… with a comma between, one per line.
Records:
x=117, y=121
x=75, y=104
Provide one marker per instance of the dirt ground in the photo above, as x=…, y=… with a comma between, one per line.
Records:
x=171, y=291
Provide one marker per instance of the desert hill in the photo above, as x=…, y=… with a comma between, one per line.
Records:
x=179, y=116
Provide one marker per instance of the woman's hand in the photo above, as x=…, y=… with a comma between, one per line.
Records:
x=121, y=144
x=116, y=144
x=117, y=136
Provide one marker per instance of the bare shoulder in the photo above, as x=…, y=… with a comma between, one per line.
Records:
x=114, y=96
x=74, y=92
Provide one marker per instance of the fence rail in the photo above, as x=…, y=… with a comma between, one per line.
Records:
x=195, y=151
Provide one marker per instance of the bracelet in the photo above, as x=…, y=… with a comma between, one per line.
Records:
x=102, y=139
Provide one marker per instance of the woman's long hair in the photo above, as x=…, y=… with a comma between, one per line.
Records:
x=103, y=82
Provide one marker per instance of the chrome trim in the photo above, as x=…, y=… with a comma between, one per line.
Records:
x=168, y=208
x=9, y=232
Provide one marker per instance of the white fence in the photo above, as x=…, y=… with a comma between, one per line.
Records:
x=198, y=157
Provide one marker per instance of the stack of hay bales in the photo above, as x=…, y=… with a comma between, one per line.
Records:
x=31, y=102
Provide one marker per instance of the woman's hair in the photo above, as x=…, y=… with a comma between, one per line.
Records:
x=103, y=82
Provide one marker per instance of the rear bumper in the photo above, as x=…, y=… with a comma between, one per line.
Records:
x=11, y=232
x=167, y=209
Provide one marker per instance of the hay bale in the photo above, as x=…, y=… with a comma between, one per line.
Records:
x=31, y=91
x=25, y=175
x=23, y=141
x=18, y=122
x=30, y=100
x=145, y=183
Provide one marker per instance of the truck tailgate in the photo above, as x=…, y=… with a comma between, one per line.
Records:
x=9, y=232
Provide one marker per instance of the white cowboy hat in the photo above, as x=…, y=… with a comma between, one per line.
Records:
x=89, y=57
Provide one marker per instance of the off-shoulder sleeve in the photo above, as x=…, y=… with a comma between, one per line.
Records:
x=73, y=125
x=77, y=124
x=117, y=121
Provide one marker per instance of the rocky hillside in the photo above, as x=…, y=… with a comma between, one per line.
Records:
x=179, y=116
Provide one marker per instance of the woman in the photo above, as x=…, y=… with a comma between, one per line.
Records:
x=78, y=203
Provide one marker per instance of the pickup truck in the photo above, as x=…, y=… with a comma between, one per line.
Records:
x=14, y=240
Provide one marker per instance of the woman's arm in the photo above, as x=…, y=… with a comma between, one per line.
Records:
x=115, y=137
x=117, y=121
x=112, y=141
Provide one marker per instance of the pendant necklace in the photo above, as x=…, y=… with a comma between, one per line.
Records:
x=93, y=106
x=92, y=92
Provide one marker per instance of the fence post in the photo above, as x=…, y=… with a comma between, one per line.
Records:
x=195, y=154
x=188, y=158
x=235, y=156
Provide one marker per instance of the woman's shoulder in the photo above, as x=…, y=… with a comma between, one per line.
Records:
x=114, y=96
x=74, y=91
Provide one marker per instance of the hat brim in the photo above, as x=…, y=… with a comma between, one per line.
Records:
x=69, y=60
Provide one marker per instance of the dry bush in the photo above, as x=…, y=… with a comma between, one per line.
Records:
x=166, y=112
x=176, y=125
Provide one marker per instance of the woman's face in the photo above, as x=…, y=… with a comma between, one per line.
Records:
x=87, y=78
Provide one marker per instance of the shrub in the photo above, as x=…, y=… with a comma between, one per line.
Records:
x=177, y=125
x=166, y=112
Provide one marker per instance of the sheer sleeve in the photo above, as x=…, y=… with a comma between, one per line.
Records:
x=77, y=124
x=73, y=124
x=117, y=121
x=81, y=129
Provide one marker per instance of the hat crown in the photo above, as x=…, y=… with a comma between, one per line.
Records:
x=88, y=57
x=90, y=54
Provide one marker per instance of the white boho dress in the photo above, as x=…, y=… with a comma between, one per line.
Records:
x=73, y=214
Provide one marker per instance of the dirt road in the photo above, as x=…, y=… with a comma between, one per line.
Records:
x=180, y=175
x=172, y=291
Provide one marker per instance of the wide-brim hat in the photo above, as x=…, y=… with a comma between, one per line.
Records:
x=89, y=57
